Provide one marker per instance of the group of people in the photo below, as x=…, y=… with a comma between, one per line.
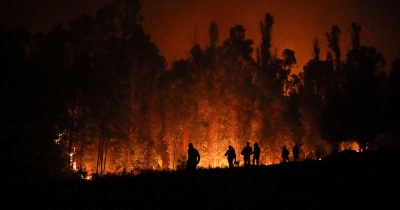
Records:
x=194, y=155
x=246, y=152
x=296, y=154
x=285, y=154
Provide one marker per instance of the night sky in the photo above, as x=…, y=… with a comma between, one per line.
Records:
x=175, y=25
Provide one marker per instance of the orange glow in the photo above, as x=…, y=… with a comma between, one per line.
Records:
x=349, y=145
x=175, y=25
x=213, y=158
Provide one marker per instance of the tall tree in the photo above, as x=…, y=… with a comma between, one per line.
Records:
x=333, y=44
x=316, y=49
x=355, y=35
x=317, y=83
x=362, y=88
x=213, y=31
x=266, y=32
x=31, y=105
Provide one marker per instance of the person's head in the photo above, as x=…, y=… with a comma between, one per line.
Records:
x=230, y=147
x=284, y=147
x=190, y=145
x=255, y=144
x=248, y=143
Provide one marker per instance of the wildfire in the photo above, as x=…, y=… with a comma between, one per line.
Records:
x=212, y=155
x=72, y=159
x=349, y=145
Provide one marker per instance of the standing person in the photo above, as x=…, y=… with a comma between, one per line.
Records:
x=296, y=152
x=193, y=158
x=231, y=155
x=285, y=154
x=247, y=152
x=256, y=154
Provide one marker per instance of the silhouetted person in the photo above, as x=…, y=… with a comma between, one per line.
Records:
x=285, y=154
x=256, y=154
x=231, y=155
x=193, y=158
x=247, y=152
x=296, y=152
x=317, y=155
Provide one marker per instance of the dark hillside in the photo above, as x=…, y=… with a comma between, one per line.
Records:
x=345, y=180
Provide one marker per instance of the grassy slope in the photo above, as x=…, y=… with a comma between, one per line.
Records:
x=343, y=181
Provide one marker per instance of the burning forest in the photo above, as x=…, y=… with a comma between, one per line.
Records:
x=98, y=98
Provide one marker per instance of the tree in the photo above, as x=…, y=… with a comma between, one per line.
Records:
x=237, y=47
x=266, y=31
x=115, y=67
x=362, y=88
x=32, y=114
x=318, y=85
x=333, y=44
x=288, y=58
x=214, y=34
x=316, y=50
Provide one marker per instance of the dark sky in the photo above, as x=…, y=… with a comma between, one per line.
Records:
x=175, y=25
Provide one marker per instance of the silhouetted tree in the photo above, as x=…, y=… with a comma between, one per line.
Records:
x=362, y=88
x=266, y=32
x=333, y=44
x=214, y=34
x=316, y=50
x=31, y=107
x=318, y=79
x=115, y=66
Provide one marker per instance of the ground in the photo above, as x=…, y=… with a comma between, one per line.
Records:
x=341, y=181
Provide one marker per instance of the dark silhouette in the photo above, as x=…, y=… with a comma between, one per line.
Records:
x=193, y=158
x=317, y=155
x=84, y=102
x=296, y=152
x=285, y=154
x=256, y=154
x=247, y=152
x=231, y=155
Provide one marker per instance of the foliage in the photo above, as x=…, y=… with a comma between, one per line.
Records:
x=97, y=98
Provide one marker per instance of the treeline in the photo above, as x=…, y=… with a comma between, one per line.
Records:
x=98, y=97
